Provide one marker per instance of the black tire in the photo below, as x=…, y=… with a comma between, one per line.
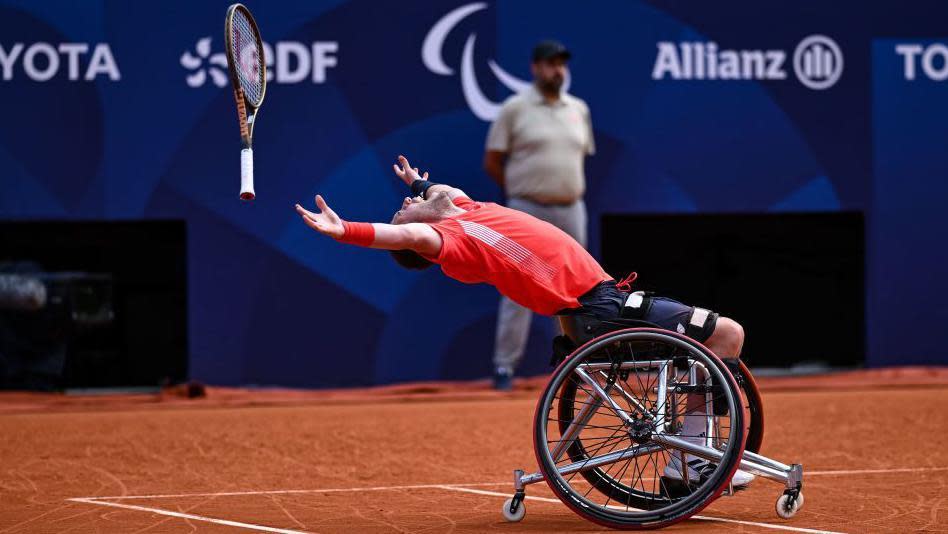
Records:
x=645, y=507
x=754, y=406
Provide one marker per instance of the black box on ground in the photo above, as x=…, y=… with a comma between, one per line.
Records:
x=115, y=304
x=794, y=281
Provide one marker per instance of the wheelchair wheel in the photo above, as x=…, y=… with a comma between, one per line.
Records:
x=753, y=405
x=754, y=423
x=610, y=421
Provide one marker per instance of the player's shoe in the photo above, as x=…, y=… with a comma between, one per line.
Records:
x=503, y=379
x=699, y=470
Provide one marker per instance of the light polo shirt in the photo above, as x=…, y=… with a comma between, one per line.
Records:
x=545, y=145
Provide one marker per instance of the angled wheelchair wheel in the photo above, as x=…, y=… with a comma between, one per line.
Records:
x=753, y=419
x=609, y=430
x=753, y=405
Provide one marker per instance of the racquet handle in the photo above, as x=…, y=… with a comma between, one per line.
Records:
x=246, y=174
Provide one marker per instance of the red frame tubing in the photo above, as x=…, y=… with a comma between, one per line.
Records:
x=755, y=433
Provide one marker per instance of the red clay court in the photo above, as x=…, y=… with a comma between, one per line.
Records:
x=436, y=458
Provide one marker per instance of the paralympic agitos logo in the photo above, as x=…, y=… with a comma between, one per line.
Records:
x=431, y=54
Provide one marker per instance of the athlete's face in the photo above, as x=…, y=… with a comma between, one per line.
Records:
x=403, y=211
x=418, y=209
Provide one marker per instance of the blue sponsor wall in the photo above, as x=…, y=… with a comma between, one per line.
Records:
x=120, y=110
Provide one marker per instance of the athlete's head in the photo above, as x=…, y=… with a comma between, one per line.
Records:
x=419, y=210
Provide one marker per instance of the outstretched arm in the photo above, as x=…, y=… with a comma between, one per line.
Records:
x=412, y=236
x=410, y=176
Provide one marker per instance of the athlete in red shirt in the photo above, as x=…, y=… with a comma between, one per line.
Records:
x=531, y=261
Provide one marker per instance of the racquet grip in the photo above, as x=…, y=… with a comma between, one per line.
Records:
x=246, y=174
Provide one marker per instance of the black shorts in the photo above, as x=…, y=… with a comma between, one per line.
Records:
x=673, y=315
x=605, y=302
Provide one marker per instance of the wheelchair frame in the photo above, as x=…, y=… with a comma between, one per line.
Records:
x=584, y=331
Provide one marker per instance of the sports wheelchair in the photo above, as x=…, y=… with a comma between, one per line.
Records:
x=608, y=428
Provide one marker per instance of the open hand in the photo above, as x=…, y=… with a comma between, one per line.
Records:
x=325, y=222
x=406, y=172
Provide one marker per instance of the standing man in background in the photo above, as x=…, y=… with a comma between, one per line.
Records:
x=535, y=152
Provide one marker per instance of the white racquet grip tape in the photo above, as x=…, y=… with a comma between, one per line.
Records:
x=246, y=174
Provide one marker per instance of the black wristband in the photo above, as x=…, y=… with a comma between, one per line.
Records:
x=419, y=188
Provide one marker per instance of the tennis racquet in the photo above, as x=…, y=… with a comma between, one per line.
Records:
x=248, y=75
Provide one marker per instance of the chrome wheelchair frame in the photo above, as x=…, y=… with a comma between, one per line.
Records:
x=645, y=417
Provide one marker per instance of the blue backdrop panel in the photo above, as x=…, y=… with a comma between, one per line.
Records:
x=909, y=228
x=116, y=119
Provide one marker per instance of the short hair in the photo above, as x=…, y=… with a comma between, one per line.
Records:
x=411, y=260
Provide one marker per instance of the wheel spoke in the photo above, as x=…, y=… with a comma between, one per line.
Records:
x=621, y=417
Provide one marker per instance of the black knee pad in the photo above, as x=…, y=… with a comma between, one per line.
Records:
x=701, y=324
x=636, y=305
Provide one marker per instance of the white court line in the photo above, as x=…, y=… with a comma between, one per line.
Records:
x=764, y=525
x=876, y=471
x=495, y=494
x=169, y=513
x=281, y=492
x=467, y=487
x=262, y=528
x=698, y=517
x=461, y=485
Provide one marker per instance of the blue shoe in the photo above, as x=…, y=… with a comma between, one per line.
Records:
x=503, y=379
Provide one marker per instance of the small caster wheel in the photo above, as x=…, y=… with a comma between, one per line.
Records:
x=519, y=510
x=788, y=505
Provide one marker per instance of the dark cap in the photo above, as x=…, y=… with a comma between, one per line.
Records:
x=549, y=50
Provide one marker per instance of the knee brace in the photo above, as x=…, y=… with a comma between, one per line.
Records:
x=636, y=305
x=701, y=324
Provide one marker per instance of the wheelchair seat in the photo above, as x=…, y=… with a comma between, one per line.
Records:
x=580, y=328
